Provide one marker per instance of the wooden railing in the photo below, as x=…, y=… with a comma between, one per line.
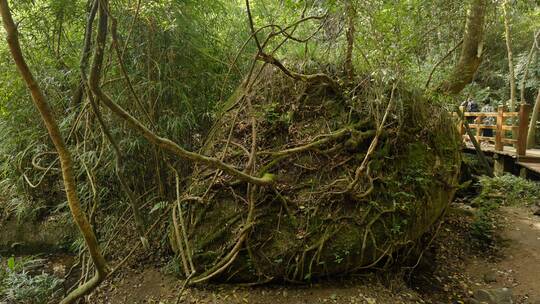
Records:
x=517, y=128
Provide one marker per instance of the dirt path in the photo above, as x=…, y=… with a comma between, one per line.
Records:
x=519, y=265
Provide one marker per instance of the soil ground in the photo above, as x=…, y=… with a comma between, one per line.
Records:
x=449, y=273
x=519, y=265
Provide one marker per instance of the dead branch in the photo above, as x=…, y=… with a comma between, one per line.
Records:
x=271, y=59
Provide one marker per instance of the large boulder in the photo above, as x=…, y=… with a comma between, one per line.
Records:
x=311, y=223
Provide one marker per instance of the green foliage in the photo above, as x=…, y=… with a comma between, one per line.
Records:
x=178, y=57
x=21, y=283
x=506, y=190
x=483, y=228
x=159, y=207
x=524, y=22
x=532, y=82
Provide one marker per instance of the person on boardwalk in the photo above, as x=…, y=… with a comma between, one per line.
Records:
x=488, y=121
x=470, y=105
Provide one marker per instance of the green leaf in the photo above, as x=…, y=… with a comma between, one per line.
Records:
x=11, y=263
x=159, y=206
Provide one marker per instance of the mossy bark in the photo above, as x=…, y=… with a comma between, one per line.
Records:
x=471, y=51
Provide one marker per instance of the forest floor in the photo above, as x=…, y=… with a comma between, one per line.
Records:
x=452, y=269
x=450, y=272
x=517, y=265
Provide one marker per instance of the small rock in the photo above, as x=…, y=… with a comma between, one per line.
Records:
x=494, y=296
x=537, y=211
x=371, y=301
x=490, y=277
x=463, y=209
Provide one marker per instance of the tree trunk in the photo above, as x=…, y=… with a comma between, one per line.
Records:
x=511, y=74
x=119, y=168
x=471, y=51
x=64, y=155
x=351, y=15
x=532, y=54
x=532, y=125
x=85, y=56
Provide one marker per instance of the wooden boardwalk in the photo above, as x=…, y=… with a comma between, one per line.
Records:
x=508, y=141
x=531, y=161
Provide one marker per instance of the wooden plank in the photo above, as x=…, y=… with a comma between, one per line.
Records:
x=533, y=152
x=529, y=159
x=510, y=114
x=490, y=138
x=482, y=126
x=510, y=128
x=480, y=138
x=531, y=166
x=509, y=141
x=480, y=114
x=489, y=148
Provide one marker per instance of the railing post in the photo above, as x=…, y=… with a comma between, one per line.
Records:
x=499, y=132
x=522, y=131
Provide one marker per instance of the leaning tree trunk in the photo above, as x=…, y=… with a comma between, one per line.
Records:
x=66, y=163
x=531, y=134
x=511, y=74
x=85, y=55
x=470, y=59
x=471, y=51
x=532, y=125
x=532, y=53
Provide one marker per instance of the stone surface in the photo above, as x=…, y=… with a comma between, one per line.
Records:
x=28, y=237
x=490, y=277
x=494, y=296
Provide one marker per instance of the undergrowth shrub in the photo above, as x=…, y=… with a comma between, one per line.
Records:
x=21, y=282
x=506, y=190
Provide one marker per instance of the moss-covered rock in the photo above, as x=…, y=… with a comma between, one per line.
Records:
x=28, y=237
x=311, y=223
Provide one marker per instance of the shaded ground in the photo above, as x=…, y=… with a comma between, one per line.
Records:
x=449, y=273
x=519, y=265
x=150, y=286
